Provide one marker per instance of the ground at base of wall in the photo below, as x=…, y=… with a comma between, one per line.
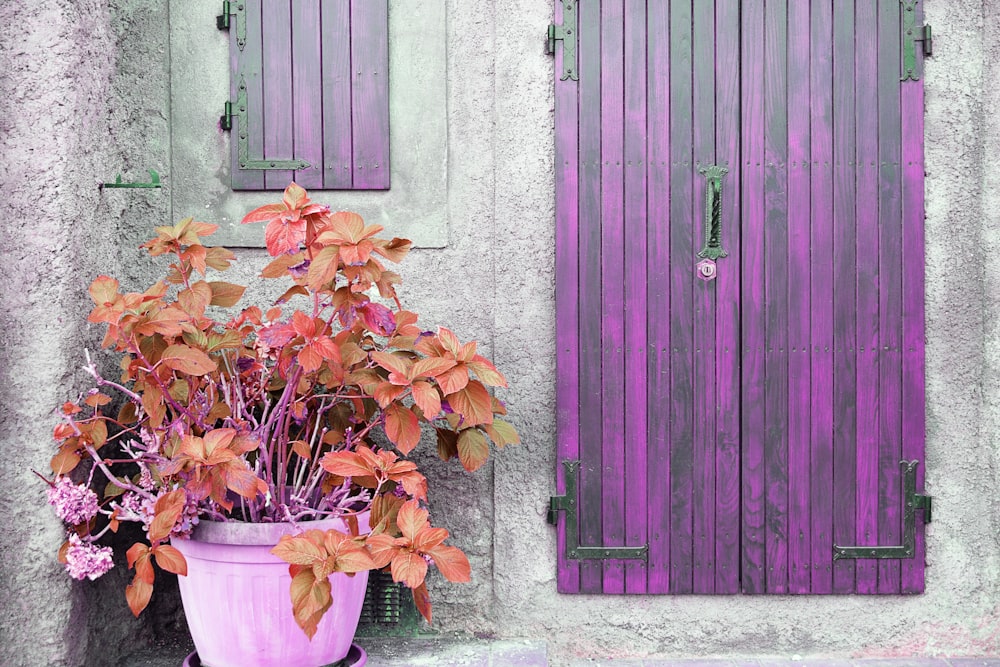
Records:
x=426, y=652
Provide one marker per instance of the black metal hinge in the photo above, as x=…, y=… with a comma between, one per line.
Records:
x=911, y=35
x=567, y=34
x=912, y=501
x=243, y=147
x=222, y=20
x=567, y=503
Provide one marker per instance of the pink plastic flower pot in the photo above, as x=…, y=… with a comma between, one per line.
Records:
x=238, y=603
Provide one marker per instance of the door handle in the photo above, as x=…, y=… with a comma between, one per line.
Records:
x=712, y=249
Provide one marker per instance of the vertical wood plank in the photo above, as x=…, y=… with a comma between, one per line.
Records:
x=890, y=289
x=307, y=87
x=636, y=280
x=822, y=489
x=776, y=292
x=247, y=66
x=867, y=322
x=753, y=553
x=703, y=355
x=682, y=222
x=370, y=93
x=844, y=289
x=276, y=23
x=727, y=309
x=659, y=302
x=591, y=418
x=798, y=280
x=613, y=287
x=338, y=138
x=912, y=125
x=567, y=288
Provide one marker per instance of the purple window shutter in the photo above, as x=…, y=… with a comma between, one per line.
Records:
x=740, y=427
x=316, y=93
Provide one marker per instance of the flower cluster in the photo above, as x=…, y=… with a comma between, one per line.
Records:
x=73, y=503
x=85, y=560
x=284, y=414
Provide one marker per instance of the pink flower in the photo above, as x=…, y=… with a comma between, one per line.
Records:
x=74, y=504
x=87, y=560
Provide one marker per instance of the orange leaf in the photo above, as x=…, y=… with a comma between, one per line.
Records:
x=454, y=379
x=473, y=449
x=66, y=460
x=170, y=559
x=134, y=552
x=422, y=600
x=323, y=267
x=402, y=427
x=166, y=512
x=411, y=519
x=409, y=568
x=263, y=213
x=225, y=294
x=383, y=548
x=452, y=563
x=195, y=299
x=395, y=363
x=104, y=290
x=431, y=367
x=188, y=360
x=298, y=550
x=427, y=399
x=279, y=266
x=241, y=479
x=301, y=447
x=137, y=594
x=346, y=464
x=386, y=393
x=486, y=372
x=473, y=404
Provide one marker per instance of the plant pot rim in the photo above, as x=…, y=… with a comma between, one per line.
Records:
x=265, y=534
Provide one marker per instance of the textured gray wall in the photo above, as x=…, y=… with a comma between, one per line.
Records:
x=85, y=94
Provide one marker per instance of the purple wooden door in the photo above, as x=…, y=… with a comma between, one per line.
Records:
x=738, y=427
x=310, y=91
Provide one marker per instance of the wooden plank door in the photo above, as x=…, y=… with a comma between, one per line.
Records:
x=737, y=428
x=648, y=352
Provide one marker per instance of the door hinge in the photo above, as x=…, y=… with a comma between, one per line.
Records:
x=243, y=147
x=911, y=35
x=567, y=34
x=568, y=503
x=222, y=20
x=912, y=501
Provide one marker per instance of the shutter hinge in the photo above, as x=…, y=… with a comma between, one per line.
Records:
x=567, y=34
x=243, y=145
x=911, y=35
x=912, y=501
x=226, y=119
x=568, y=504
x=222, y=20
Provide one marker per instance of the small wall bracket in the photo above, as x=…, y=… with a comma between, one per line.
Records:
x=912, y=501
x=567, y=34
x=568, y=504
x=153, y=183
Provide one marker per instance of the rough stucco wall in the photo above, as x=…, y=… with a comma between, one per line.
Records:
x=958, y=614
x=57, y=63
x=101, y=107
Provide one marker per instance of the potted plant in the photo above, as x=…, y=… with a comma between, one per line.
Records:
x=290, y=425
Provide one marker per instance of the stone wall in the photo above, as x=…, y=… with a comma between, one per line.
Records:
x=85, y=94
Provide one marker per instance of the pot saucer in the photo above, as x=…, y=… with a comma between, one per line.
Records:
x=356, y=657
